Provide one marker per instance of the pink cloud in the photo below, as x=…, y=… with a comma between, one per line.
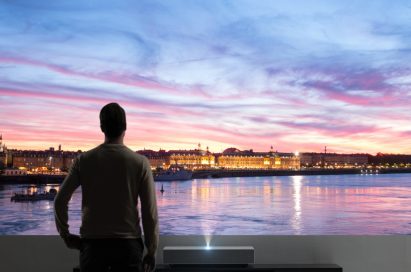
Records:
x=133, y=80
x=330, y=129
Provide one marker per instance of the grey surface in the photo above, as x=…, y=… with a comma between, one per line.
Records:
x=353, y=253
x=255, y=267
x=211, y=255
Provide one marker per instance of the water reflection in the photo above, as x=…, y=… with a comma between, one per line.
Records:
x=265, y=205
x=296, y=221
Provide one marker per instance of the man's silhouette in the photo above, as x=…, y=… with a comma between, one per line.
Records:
x=112, y=178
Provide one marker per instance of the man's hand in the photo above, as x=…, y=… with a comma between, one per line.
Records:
x=149, y=263
x=72, y=241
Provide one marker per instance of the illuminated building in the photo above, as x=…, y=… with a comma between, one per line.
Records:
x=157, y=159
x=2, y=160
x=195, y=159
x=233, y=158
x=15, y=172
x=333, y=160
x=43, y=160
x=3, y=153
x=192, y=159
x=392, y=160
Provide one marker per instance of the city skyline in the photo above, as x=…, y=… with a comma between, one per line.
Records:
x=297, y=76
x=198, y=147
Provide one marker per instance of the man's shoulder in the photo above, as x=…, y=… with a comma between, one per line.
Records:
x=139, y=157
x=124, y=150
x=90, y=152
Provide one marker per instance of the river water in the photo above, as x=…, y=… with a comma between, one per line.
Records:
x=297, y=205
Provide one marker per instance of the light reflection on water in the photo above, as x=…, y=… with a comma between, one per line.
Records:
x=296, y=223
x=307, y=205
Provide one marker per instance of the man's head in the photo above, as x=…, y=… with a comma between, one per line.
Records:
x=113, y=120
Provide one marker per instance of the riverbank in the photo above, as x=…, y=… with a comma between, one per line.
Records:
x=215, y=173
x=303, y=172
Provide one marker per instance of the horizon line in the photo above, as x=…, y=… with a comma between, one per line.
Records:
x=195, y=149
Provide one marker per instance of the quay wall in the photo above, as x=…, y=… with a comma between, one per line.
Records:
x=215, y=173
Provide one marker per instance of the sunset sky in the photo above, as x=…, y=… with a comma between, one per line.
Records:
x=298, y=75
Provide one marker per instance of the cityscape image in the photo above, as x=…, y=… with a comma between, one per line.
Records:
x=257, y=117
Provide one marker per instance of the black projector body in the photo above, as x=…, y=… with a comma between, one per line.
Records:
x=208, y=256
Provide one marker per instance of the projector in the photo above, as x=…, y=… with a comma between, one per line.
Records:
x=210, y=256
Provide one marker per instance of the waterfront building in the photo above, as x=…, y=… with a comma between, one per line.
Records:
x=2, y=160
x=15, y=172
x=54, y=160
x=289, y=161
x=333, y=160
x=390, y=160
x=192, y=159
x=233, y=158
x=9, y=156
x=5, y=159
x=157, y=159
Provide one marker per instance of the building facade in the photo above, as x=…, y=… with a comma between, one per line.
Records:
x=390, y=160
x=2, y=160
x=192, y=159
x=333, y=160
x=157, y=159
x=233, y=158
x=47, y=160
x=15, y=172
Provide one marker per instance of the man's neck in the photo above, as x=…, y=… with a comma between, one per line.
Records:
x=119, y=140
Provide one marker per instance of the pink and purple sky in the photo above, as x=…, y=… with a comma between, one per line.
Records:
x=298, y=75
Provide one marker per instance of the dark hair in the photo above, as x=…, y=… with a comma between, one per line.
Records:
x=112, y=120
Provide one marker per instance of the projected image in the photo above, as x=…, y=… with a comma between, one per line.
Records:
x=257, y=117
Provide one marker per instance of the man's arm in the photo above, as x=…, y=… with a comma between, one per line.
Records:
x=149, y=214
x=70, y=184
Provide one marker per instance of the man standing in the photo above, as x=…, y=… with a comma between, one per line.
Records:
x=112, y=178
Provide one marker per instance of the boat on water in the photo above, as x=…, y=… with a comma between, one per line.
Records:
x=173, y=174
x=50, y=195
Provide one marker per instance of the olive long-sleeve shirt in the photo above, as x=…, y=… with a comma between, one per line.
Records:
x=112, y=178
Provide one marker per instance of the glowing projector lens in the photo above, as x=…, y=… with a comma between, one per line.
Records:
x=221, y=255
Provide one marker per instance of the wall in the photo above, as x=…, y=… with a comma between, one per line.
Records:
x=354, y=253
